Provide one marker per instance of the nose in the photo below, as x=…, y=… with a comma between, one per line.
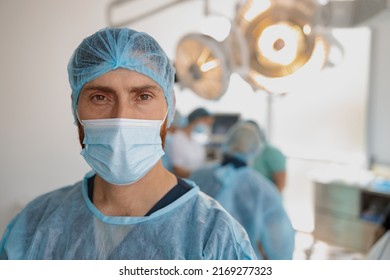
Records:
x=122, y=109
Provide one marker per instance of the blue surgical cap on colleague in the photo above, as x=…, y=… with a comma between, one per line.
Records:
x=261, y=131
x=198, y=113
x=242, y=141
x=113, y=48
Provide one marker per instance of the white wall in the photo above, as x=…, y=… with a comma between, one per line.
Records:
x=39, y=148
x=379, y=101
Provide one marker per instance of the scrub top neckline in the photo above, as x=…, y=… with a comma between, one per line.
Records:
x=127, y=220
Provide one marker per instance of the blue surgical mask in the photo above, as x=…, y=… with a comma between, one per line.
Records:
x=122, y=151
x=201, y=133
x=201, y=128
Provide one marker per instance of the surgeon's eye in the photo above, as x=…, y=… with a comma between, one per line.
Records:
x=99, y=98
x=144, y=97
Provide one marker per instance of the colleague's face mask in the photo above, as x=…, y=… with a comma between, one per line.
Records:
x=201, y=128
x=122, y=151
x=201, y=133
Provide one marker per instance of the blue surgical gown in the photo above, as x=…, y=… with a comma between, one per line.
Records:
x=255, y=203
x=64, y=224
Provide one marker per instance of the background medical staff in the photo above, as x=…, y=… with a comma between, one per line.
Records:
x=248, y=196
x=270, y=161
x=186, y=152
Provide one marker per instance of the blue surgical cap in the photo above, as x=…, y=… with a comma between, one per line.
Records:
x=198, y=113
x=242, y=141
x=112, y=48
x=260, y=130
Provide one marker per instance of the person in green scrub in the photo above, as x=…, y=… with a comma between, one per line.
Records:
x=270, y=161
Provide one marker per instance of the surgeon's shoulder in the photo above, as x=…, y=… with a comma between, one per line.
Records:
x=226, y=238
x=53, y=199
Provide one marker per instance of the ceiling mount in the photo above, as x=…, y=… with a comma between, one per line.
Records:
x=118, y=17
x=349, y=13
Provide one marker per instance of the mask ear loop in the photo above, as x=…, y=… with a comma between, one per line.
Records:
x=165, y=117
x=78, y=117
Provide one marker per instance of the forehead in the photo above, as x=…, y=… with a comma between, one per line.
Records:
x=124, y=77
x=206, y=119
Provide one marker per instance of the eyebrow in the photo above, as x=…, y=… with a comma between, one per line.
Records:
x=135, y=89
x=143, y=88
x=99, y=88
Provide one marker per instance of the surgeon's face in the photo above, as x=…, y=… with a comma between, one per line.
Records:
x=122, y=93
